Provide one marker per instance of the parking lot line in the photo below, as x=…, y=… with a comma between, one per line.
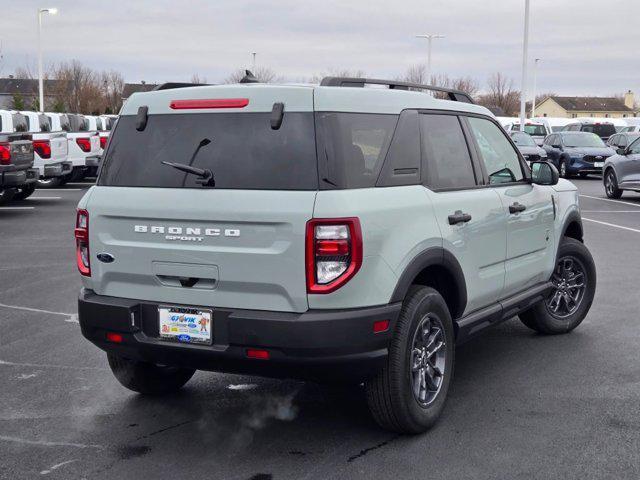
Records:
x=17, y=208
x=611, y=225
x=610, y=211
x=71, y=317
x=611, y=200
x=44, y=198
x=63, y=189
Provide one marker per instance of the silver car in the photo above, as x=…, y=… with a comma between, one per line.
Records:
x=622, y=170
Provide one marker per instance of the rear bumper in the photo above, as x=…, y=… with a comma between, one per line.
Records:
x=93, y=161
x=317, y=345
x=17, y=178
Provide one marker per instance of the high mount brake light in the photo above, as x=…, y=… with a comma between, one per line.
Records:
x=209, y=103
x=82, y=242
x=84, y=143
x=42, y=148
x=5, y=153
x=333, y=253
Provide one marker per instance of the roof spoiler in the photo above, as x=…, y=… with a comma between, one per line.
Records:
x=452, y=94
x=171, y=85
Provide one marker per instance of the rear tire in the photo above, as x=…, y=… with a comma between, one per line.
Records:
x=6, y=195
x=567, y=304
x=147, y=378
x=76, y=175
x=611, y=185
x=562, y=170
x=25, y=192
x=52, y=182
x=409, y=393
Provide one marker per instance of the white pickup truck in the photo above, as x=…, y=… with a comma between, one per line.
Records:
x=83, y=144
x=103, y=126
x=49, y=148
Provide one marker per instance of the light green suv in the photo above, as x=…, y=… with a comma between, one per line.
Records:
x=334, y=232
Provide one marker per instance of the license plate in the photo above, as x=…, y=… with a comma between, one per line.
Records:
x=185, y=325
x=598, y=164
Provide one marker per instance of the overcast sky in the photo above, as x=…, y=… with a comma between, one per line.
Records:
x=587, y=47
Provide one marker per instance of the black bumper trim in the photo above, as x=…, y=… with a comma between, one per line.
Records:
x=317, y=344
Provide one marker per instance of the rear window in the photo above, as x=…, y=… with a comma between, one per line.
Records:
x=65, y=125
x=602, y=130
x=20, y=123
x=537, y=130
x=45, y=123
x=352, y=147
x=243, y=152
x=78, y=123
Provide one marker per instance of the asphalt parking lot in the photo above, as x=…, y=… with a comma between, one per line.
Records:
x=522, y=405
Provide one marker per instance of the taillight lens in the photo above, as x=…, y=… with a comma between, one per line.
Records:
x=42, y=148
x=5, y=153
x=82, y=242
x=103, y=142
x=84, y=144
x=333, y=253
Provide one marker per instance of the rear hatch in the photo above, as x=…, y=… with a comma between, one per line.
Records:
x=58, y=144
x=239, y=244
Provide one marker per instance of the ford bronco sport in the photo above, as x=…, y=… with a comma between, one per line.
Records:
x=331, y=232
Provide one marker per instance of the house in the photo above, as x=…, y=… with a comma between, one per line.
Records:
x=26, y=91
x=573, y=107
x=131, y=88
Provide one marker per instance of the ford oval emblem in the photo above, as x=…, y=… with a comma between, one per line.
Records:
x=105, y=257
x=184, y=338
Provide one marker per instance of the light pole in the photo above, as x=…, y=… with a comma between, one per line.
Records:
x=50, y=11
x=535, y=75
x=429, y=38
x=253, y=62
x=525, y=53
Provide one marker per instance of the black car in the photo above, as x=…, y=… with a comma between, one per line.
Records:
x=603, y=129
x=528, y=147
x=577, y=152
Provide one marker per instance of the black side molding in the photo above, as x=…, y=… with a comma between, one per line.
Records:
x=476, y=322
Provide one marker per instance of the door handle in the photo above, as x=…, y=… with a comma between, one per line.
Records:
x=517, y=208
x=459, y=217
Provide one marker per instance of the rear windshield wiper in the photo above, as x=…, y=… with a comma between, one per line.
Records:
x=205, y=175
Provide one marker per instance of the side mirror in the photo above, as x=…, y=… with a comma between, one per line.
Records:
x=621, y=151
x=557, y=146
x=544, y=173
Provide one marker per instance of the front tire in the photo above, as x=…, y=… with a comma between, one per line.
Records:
x=25, y=192
x=611, y=185
x=574, y=286
x=563, y=169
x=147, y=378
x=409, y=393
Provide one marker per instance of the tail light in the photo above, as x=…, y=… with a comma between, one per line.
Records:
x=103, y=142
x=333, y=253
x=82, y=242
x=42, y=148
x=84, y=144
x=5, y=153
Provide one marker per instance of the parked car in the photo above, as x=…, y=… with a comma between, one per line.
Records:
x=528, y=147
x=50, y=150
x=554, y=124
x=97, y=124
x=618, y=123
x=622, y=170
x=576, y=152
x=251, y=229
x=507, y=122
x=604, y=129
x=83, y=144
x=17, y=174
x=537, y=130
x=631, y=129
x=622, y=140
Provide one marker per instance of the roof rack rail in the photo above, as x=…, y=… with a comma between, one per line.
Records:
x=170, y=85
x=452, y=94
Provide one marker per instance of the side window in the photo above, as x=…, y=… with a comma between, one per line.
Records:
x=445, y=152
x=621, y=141
x=499, y=157
x=634, y=149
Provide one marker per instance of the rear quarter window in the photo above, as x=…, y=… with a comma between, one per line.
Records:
x=243, y=152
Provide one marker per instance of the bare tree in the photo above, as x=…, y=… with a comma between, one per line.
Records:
x=112, y=84
x=195, y=78
x=78, y=87
x=334, y=72
x=263, y=74
x=501, y=96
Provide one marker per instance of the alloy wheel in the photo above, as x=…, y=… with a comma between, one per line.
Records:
x=610, y=184
x=569, y=285
x=428, y=359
